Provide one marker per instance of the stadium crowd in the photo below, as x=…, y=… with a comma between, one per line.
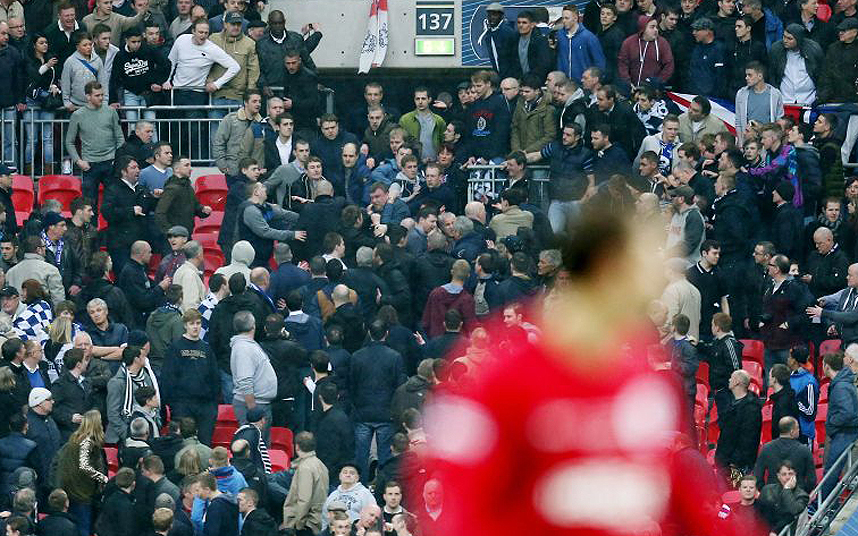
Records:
x=157, y=366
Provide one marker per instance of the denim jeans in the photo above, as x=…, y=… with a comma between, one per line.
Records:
x=37, y=120
x=219, y=114
x=560, y=213
x=241, y=416
x=363, y=439
x=130, y=99
x=836, y=446
x=9, y=116
x=82, y=513
x=226, y=387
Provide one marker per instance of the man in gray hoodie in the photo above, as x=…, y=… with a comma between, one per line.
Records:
x=254, y=379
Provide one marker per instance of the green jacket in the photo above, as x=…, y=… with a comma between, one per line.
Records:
x=81, y=481
x=412, y=126
x=178, y=205
x=533, y=130
x=229, y=139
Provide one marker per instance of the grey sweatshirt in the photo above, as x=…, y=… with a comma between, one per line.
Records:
x=252, y=372
x=76, y=75
x=99, y=132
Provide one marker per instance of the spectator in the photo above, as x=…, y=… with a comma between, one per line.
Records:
x=126, y=207
x=533, y=124
x=117, y=515
x=218, y=290
x=683, y=358
x=757, y=101
x=71, y=394
x=645, y=55
x=371, y=390
x=81, y=470
x=533, y=52
x=450, y=296
x=350, y=492
x=786, y=447
x=58, y=520
x=782, y=320
x=164, y=326
x=242, y=49
x=578, y=49
x=681, y=296
x=254, y=520
x=487, y=118
x=686, y=231
x=17, y=451
x=103, y=14
x=133, y=373
x=221, y=512
x=188, y=276
x=781, y=502
x=302, y=511
x=43, y=430
x=278, y=147
x=501, y=42
x=782, y=398
x=232, y=130
x=142, y=292
x=254, y=431
x=178, y=203
x=272, y=47
x=798, y=84
x=423, y=125
x=190, y=74
x=698, y=121
x=334, y=430
x=376, y=136
x=254, y=225
x=827, y=266
x=627, y=129
x=740, y=426
x=255, y=383
x=59, y=34
x=300, y=92
x=136, y=75
x=190, y=442
x=154, y=176
x=834, y=84
x=136, y=444
x=841, y=425
x=291, y=179
x=707, y=277
x=707, y=68
x=34, y=267
x=102, y=47
x=786, y=228
x=743, y=50
x=79, y=69
x=840, y=316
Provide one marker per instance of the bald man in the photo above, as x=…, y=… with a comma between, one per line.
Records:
x=319, y=218
x=260, y=281
x=143, y=294
x=740, y=425
x=826, y=267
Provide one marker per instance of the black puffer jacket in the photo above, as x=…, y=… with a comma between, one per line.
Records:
x=411, y=394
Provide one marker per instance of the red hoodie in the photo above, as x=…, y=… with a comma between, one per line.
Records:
x=639, y=59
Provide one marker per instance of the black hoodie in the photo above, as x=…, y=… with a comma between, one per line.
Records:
x=136, y=72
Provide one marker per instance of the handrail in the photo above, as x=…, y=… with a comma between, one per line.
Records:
x=822, y=516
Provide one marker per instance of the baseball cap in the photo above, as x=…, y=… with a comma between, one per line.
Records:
x=682, y=191
x=178, y=230
x=8, y=292
x=703, y=23
x=233, y=17
x=256, y=24
x=849, y=23
x=37, y=396
x=495, y=6
x=337, y=506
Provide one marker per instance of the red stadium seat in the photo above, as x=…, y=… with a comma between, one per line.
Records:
x=821, y=415
x=703, y=373
x=23, y=193
x=823, y=392
x=756, y=371
x=823, y=12
x=112, y=455
x=753, y=350
x=211, y=190
x=829, y=347
x=226, y=415
x=208, y=225
x=766, y=433
x=63, y=188
x=222, y=436
x=281, y=439
x=21, y=216
x=279, y=460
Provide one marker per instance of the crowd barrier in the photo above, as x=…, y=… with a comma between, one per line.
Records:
x=485, y=182
x=33, y=142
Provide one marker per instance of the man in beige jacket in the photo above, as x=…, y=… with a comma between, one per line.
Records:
x=302, y=511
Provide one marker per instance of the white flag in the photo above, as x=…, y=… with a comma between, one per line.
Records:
x=374, y=47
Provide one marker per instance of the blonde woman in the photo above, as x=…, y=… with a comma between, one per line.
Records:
x=61, y=333
x=189, y=465
x=82, y=468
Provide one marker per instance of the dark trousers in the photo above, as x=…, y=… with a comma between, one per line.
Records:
x=203, y=411
x=99, y=173
x=193, y=136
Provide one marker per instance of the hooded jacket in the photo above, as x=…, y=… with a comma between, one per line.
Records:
x=164, y=327
x=221, y=331
x=533, y=126
x=776, y=108
x=178, y=205
x=240, y=261
x=221, y=517
x=410, y=395
x=229, y=479
x=579, y=52
x=837, y=82
x=809, y=50
x=443, y=299
x=842, y=404
x=252, y=373
x=640, y=59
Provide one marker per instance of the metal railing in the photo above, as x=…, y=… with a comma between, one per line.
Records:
x=486, y=181
x=826, y=508
x=23, y=136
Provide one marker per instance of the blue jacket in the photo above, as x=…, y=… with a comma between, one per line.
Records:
x=707, y=70
x=385, y=172
x=500, y=42
x=774, y=28
x=842, y=404
x=358, y=183
x=375, y=372
x=15, y=451
x=578, y=53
